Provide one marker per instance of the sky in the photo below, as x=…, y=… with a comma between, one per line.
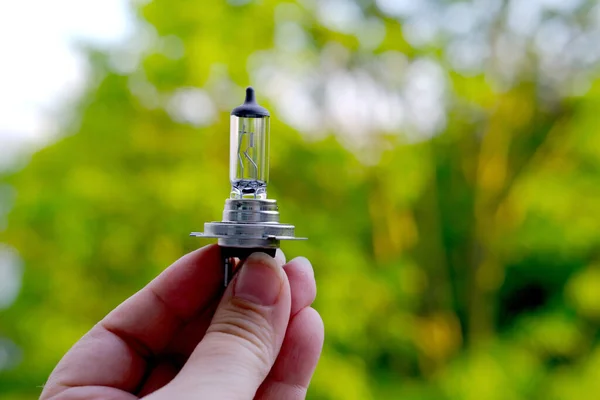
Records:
x=40, y=67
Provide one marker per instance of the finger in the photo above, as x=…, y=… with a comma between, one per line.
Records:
x=180, y=348
x=94, y=392
x=280, y=257
x=301, y=278
x=298, y=358
x=165, y=370
x=302, y=283
x=244, y=337
x=116, y=351
x=303, y=289
x=186, y=340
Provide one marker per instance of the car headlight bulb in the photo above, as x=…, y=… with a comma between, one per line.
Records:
x=250, y=220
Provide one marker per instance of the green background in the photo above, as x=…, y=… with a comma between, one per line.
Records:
x=447, y=174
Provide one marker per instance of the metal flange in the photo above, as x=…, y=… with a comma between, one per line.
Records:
x=248, y=224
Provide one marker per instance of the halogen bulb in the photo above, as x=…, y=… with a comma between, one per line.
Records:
x=249, y=150
x=250, y=220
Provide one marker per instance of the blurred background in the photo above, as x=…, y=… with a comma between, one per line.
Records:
x=442, y=156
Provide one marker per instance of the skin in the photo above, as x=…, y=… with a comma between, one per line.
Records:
x=182, y=337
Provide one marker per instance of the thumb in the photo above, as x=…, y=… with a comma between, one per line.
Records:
x=244, y=337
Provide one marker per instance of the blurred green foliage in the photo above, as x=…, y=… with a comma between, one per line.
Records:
x=457, y=260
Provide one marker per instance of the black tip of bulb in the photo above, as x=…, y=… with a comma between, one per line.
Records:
x=250, y=108
x=250, y=96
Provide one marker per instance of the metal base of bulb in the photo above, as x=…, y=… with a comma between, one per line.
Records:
x=248, y=226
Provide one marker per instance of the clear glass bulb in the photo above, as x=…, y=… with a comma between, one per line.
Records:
x=249, y=150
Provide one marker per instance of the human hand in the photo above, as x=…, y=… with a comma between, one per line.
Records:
x=180, y=337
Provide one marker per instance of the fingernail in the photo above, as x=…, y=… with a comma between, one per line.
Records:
x=259, y=280
x=280, y=257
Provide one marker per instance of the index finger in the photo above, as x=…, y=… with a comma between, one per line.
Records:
x=116, y=351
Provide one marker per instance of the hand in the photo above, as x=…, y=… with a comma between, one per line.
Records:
x=180, y=337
